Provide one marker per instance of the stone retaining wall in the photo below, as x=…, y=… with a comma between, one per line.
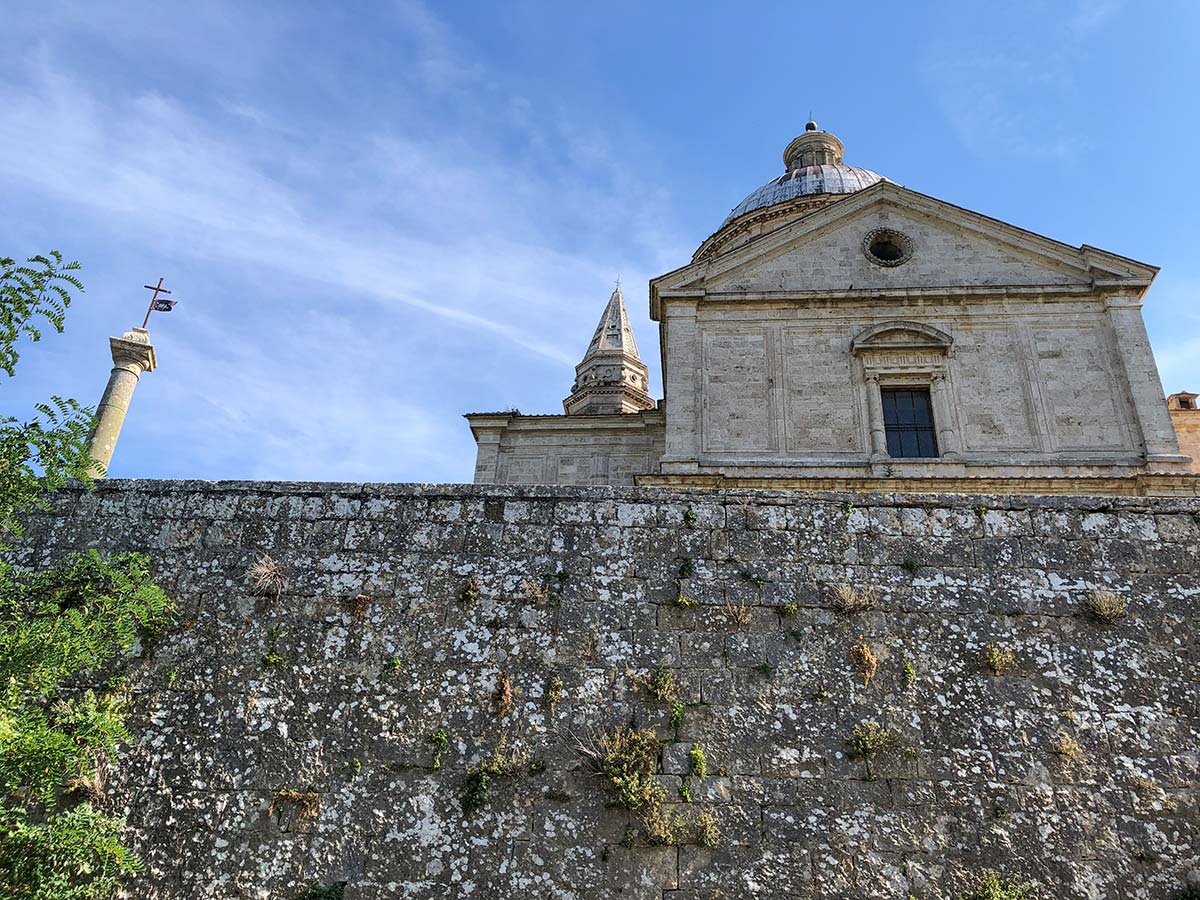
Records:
x=285, y=743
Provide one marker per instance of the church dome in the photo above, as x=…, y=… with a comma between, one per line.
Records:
x=812, y=166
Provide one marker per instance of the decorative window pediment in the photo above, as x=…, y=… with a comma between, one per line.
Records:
x=915, y=336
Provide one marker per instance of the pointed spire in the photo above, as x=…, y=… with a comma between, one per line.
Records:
x=611, y=378
x=614, y=331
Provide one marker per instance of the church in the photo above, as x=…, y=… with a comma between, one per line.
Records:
x=841, y=332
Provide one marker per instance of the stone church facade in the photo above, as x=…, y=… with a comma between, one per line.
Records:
x=839, y=331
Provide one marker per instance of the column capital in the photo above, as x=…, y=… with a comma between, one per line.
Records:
x=134, y=350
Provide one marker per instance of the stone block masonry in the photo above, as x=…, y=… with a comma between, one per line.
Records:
x=288, y=743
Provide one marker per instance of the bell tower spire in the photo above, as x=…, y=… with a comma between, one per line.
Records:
x=611, y=378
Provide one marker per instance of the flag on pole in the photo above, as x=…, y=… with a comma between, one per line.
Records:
x=163, y=305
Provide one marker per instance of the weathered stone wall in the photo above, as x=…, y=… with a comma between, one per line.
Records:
x=336, y=700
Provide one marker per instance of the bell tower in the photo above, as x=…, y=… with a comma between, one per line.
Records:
x=611, y=379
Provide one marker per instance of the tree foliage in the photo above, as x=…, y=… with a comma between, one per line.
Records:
x=59, y=627
x=56, y=625
x=43, y=452
x=40, y=288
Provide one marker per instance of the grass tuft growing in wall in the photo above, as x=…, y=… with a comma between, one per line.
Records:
x=1104, y=606
x=848, y=600
x=738, y=614
x=267, y=578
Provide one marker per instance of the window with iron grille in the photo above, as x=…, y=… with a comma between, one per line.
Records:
x=908, y=423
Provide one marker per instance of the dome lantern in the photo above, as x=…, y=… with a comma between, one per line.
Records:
x=813, y=148
x=813, y=167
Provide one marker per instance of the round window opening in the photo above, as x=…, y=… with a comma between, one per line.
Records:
x=886, y=247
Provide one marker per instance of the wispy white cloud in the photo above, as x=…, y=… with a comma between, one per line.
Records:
x=394, y=265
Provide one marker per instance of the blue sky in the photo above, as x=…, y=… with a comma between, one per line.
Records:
x=379, y=216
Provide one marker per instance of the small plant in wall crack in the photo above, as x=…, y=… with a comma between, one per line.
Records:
x=659, y=684
x=502, y=695
x=357, y=606
x=867, y=741
x=908, y=675
x=306, y=802
x=865, y=662
x=470, y=591
x=1104, y=606
x=848, y=600
x=757, y=580
x=538, y=591
x=504, y=763
x=707, y=834
x=738, y=614
x=683, y=601
x=689, y=517
x=999, y=660
x=627, y=759
x=687, y=569
x=267, y=578
x=440, y=741
x=990, y=886
x=1068, y=748
x=698, y=761
x=392, y=667
x=553, y=693
x=272, y=659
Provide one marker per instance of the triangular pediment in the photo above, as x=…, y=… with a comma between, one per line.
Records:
x=940, y=246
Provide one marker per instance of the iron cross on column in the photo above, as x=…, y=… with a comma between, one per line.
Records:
x=157, y=305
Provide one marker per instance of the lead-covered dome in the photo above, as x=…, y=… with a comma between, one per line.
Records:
x=814, y=176
x=812, y=165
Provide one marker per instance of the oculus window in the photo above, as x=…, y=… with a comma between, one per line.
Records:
x=908, y=423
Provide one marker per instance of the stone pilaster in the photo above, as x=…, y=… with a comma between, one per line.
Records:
x=132, y=354
x=681, y=338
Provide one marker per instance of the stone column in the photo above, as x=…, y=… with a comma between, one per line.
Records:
x=875, y=418
x=1141, y=373
x=132, y=354
x=948, y=445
